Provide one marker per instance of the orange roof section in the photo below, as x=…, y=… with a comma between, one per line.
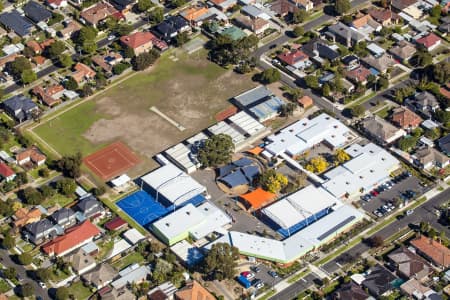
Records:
x=258, y=198
x=191, y=14
x=194, y=291
x=434, y=250
x=256, y=151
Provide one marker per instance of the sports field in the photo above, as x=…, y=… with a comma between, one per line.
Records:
x=190, y=90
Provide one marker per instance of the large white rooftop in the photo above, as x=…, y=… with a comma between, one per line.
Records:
x=370, y=165
x=224, y=128
x=181, y=155
x=306, y=133
x=247, y=123
x=173, y=184
x=300, y=206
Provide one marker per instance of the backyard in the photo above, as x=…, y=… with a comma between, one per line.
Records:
x=187, y=88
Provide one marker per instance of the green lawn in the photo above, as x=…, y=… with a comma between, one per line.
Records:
x=4, y=286
x=383, y=113
x=79, y=291
x=59, y=199
x=131, y=258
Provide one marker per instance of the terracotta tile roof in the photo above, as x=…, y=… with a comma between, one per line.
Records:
x=6, y=59
x=115, y=224
x=382, y=15
x=305, y=101
x=46, y=43
x=292, y=57
x=46, y=94
x=405, y=118
x=33, y=153
x=445, y=92
x=73, y=237
x=429, y=40
x=282, y=7
x=137, y=39
x=360, y=22
x=226, y=113
x=5, y=170
x=193, y=13
x=433, y=250
x=359, y=74
x=25, y=216
x=72, y=27
x=39, y=60
x=194, y=291
x=98, y=12
x=81, y=72
x=33, y=45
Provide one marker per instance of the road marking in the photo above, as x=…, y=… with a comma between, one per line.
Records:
x=167, y=118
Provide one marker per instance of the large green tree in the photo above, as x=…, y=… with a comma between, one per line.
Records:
x=342, y=6
x=221, y=261
x=70, y=165
x=270, y=76
x=216, y=150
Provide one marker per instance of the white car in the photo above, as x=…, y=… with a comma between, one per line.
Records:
x=42, y=285
x=409, y=212
x=111, y=37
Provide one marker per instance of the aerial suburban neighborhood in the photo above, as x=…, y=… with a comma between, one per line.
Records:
x=225, y=149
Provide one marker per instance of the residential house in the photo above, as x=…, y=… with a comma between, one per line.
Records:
x=349, y=291
x=432, y=250
x=36, y=12
x=24, y=216
x=405, y=118
x=50, y=95
x=444, y=144
x=382, y=131
x=254, y=12
x=82, y=73
x=6, y=172
x=444, y=26
x=6, y=59
x=424, y=102
x=403, y=51
x=234, y=33
x=193, y=290
x=72, y=239
x=30, y=155
x=428, y=158
x=429, y=42
x=400, y=5
x=70, y=29
x=358, y=74
x=375, y=50
x=164, y=291
x=408, y=264
x=98, y=12
x=81, y=262
x=305, y=102
x=445, y=91
x=124, y=6
x=90, y=207
x=20, y=107
x=14, y=21
x=39, y=231
x=306, y=5
x=224, y=5
x=380, y=64
x=115, y=224
x=378, y=281
x=64, y=217
x=101, y=276
x=195, y=15
x=109, y=293
x=168, y=29
x=56, y=4
x=414, y=289
x=258, y=25
x=107, y=61
x=366, y=24
x=351, y=62
x=35, y=47
x=318, y=50
x=283, y=7
x=140, y=42
x=385, y=17
x=133, y=274
x=345, y=35
x=296, y=58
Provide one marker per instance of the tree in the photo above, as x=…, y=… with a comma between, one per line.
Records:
x=71, y=84
x=272, y=181
x=66, y=186
x=10, y=273
x=157, y=15
x=124, y=29
x=221, y=261
x=407, y=143
x=326, y=90
x=299, y=16
x=216, y=150
x=433, y=134
x=27, y=290
x=298, y=31
x=44, y=274
x=144, y=60
x=19, y=65
x=87, y=90
x=288, y=109
x=89, y=47
x=441, y=72
x=86, y=33
x=312, y=81
x=375, y=241
x=28, y=76
x=358, y=110
x=56, y=49
x=178, y=3
x=98, y=191
x=128, y=52
x=182, y=38
x=423, y=58
x=436, y=11
x=120, y=68
x=8, y=241
x=70, y=165
x=342, y=6
x=47, y=191
x=21, y=178
x=383, y=83
x=270, y=76
x=341, y=156
x=62, y=293
x=31, y=196
x=25, y=258
x=161, y=271
x=16, y=206
x=144, y=5
x=317, y=164
x=44, y=172
x=65, y=60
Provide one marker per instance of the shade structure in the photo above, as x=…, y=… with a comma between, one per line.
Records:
x=258, y=198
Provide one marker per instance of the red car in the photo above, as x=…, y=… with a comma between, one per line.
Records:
x=248, y=274
x=374, y=193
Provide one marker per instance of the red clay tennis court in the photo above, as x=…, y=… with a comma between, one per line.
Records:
x=111, y=161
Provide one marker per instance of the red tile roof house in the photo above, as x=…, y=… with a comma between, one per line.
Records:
x=405, y=118
x=429, y=42
x=140, y=42
x=293, y=57
x=50, y=96
x=359, y=74
x=73, y=238
x=30, y=155
x=432, y=250
x=99, y=12
x=6, y=172
x=115, y=224
x=56, y=3
x=107, y=61
x=82, y=72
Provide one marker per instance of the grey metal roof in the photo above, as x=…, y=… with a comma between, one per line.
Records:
x=344, y=31
x=39, y=227
x=62, y=214
x=36, y=12
x=252, y=96
x=16, y=22
x=19, y=102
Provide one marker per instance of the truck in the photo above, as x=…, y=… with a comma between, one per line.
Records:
x=244, y=281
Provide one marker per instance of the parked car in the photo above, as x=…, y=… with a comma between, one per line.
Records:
x=273, y=274
x=42, y=285
x=111, y=37
x=409, y=212
x=256, y=269
x=248, y=274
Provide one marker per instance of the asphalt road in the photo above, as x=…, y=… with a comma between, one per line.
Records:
x=22, y=272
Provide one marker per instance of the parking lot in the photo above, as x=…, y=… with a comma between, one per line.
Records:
x=408, y=184
x=262, y=275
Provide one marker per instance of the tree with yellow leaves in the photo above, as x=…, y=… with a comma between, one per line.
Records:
x=272, y=181
x=341, y=156
x=317, y=164
x=16, y=206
